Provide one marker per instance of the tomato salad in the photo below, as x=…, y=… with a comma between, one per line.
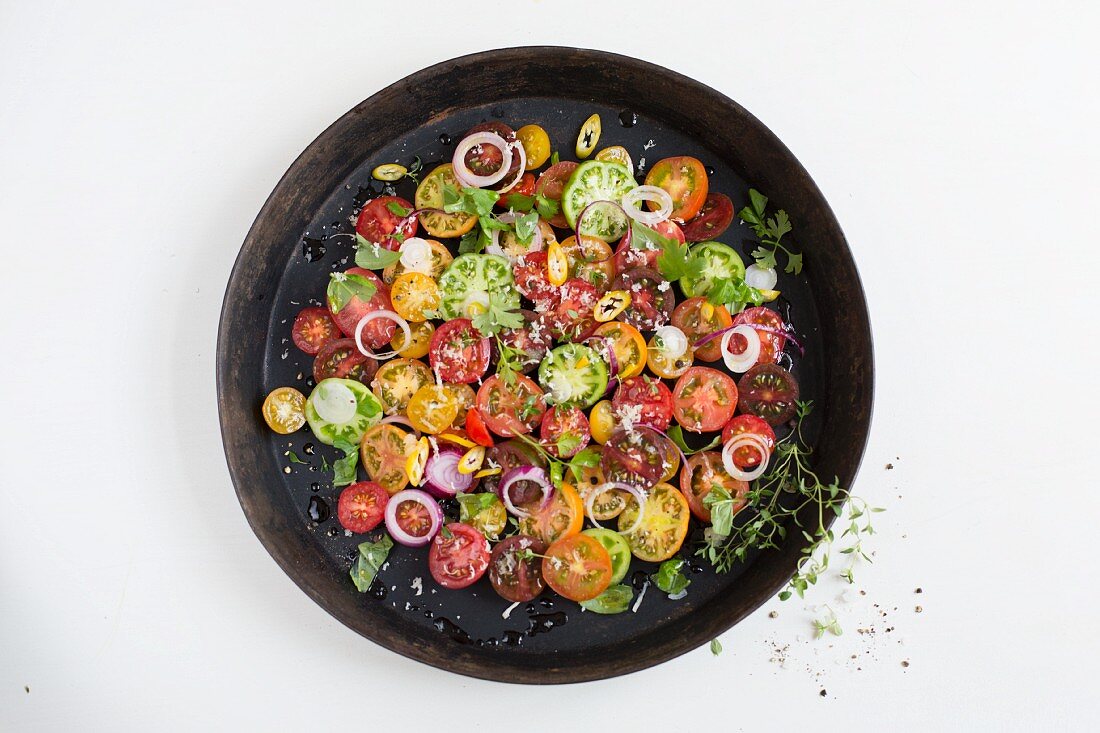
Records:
x=532, y=337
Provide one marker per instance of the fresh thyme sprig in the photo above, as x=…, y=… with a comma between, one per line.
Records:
x=769, y=518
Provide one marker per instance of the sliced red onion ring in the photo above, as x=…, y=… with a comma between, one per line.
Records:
x=756, y=326
x=519, y=171
x=421, y=498
x=744, y=361
x=760, y=278
x=606, y=349
x=389, y=316
x=637, y=493
x=610, y=213
x=745, y=439
x=442, y=477
x=612, y=384
x=633, y=199
x=466, y=176
x=536, y=475
x=509, y=218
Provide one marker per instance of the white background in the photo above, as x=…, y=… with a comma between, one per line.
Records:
x=959, y=149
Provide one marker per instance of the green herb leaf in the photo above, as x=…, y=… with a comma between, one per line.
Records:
x=759, y=202
x=615, y=599
x=676, y=433
x=397, y=209
x=496, y=318
x=471, y=242
x=469, y=200
x=587, y=458
x=675, y=260
x=294, y=458
x=715, y=647
x=519, y=201
x=554, y=159
x=345, y=468
x=734, y=293
x=557, y=473
x=670, y=577
x=548, y=208
x=526, y=226
x=342, y=287
x=371, y=256
x=372, y=555
x=470, y=505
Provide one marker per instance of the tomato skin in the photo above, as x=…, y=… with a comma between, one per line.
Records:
x=476, y=429
x=704, y=399
x=376, y=223
x=639, y=457
x=313, y=328
x=771, y=344
x=342, y=359
x=746, y=457
x=514, y=579
x=458, y=561
x=562, y=517
x=685, y=179
x=690, y=318
x=458, y=353
x=397, y=380
x=628, y=257
x=664, y=526
x=485, y=160
x=379, y=332
x=552, y=182
x=652, y=395
x=699, y=478
x=362, y=506
x=510, y=411
x=567, y=421
x=577, y=567
x=713, y=218
x=525, y=187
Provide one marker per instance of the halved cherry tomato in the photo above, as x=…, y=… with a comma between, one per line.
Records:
x=376, y=333
x=414, y=295
x=441, y=257
x=550, y=184
x=769, y=392
x=429, y=195
x=713, y=219
x=384, y=451
x=467, y=400
x=602, y=421
x=562, y=517
x=285, y=410
x=746, y=457
x=628, y=257
x=577, y=567
x=516, y=575
x=459, y=556
x=644, y=401
x=771, y=343
x=432, y=409
x=697, y=318
x=313, y=328
x=665, y=366
x=362, y=506
x=651, y=298
x=685, y=179
x=459, y=353
x=531, y=341
x=533, y=281
x=704, y=399
x=536, y=144
x=421, y=340
x=705, y=471
x=638, y=457
x=572, y=319
x=342, y=359
x=397, y=381
x=485, y=160
x=510, y=410
x=629, y=347
x=589, y=259
x=475, y=428
x=380, y=220
x=413, y=518
x=564, y=431
x=664, y=524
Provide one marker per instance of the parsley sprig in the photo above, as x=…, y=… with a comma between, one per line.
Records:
x=769, y=230
x=497, y=317
x=479, y=202
x=675, y=260
x=769, y=518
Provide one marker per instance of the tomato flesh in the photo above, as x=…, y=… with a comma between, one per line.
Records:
x=458, y=353
x=459, y=556
x=342, y=359
x=379, y=223
x=685, y=180
x=564, y=431
x=746, y=456
x=577, y=567
x=712, y=220
x=510, y=410
x=704, y=399
x=514, y=577
x=704, y=471
x=362, y=506
x=644, y=400
x=769, y=392
x=551, y=183
x=698, y=318
x=314, y=328
x=651, y=298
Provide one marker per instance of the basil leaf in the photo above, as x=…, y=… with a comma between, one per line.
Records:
x=615, y=599
x=371, y=256
x=670, y=578
x=587, y=458
x=397, y=209
x=342, y=287
x=759, y=202
x=344, y=468
x=715, y=647
x=526, y=226
x=720, y=503
x=372, y=555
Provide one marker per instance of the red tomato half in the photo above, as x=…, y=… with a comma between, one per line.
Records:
x=551, y=183
x=458, y=353
x=342, y=358
x=533, y=281
x=704, y=399
x=362, y=506
x=704, y=471
x=378, y=332
x=685, y=179
x=565, y=431
x=510, y=410
x=572, y=319
x=644, y=400
x=713, y=219
x=746, y=457
x=525, y=187
x=379, y=220
x=651, y=298
x=516, y=578
x=476, y=428
x=459, y=556
x=313, y=329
